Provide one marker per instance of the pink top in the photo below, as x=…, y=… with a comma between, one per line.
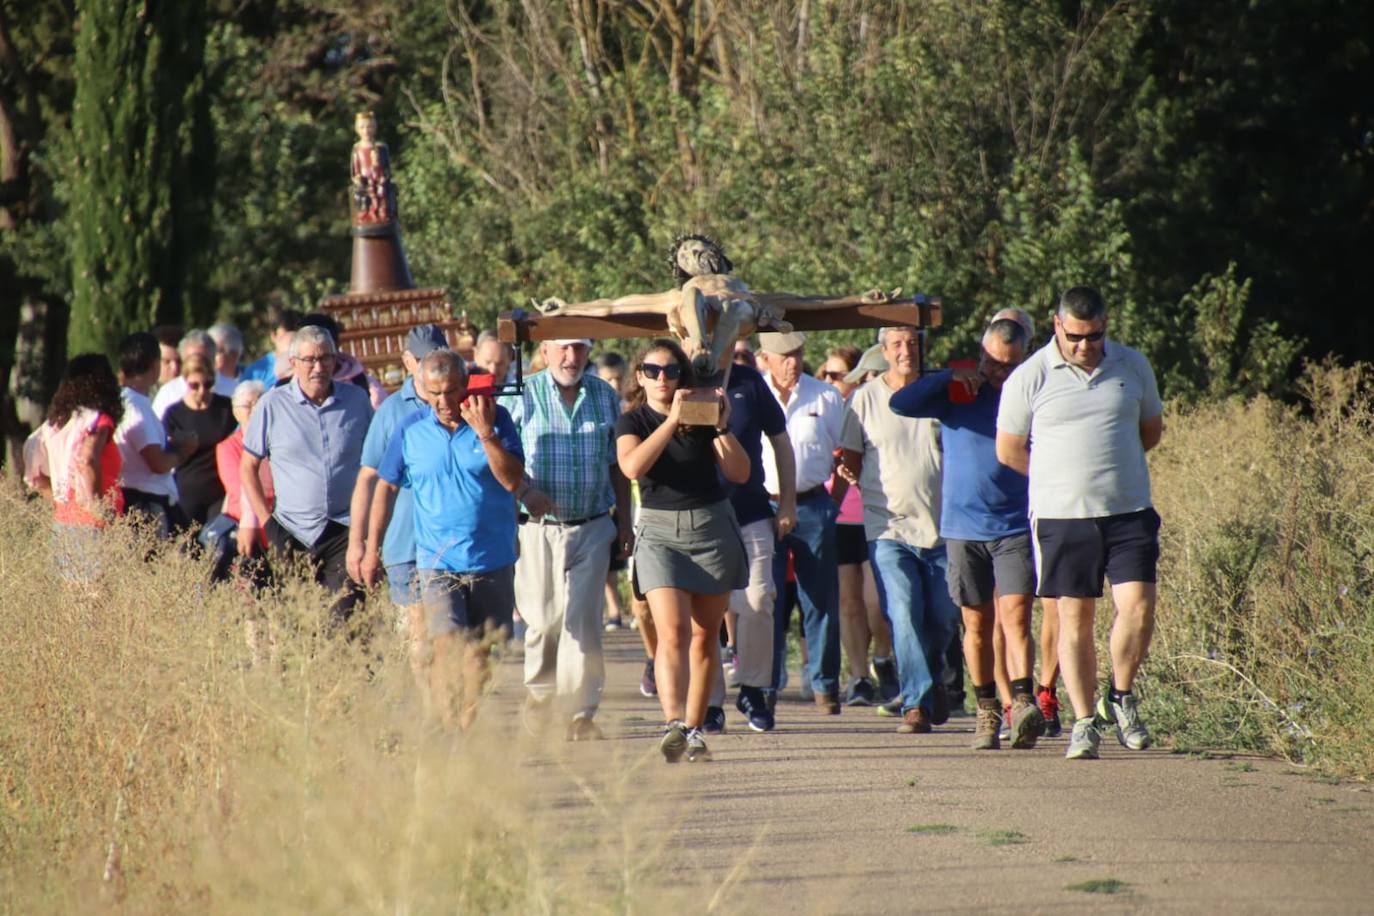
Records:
x=58, y=455
x=228, y=455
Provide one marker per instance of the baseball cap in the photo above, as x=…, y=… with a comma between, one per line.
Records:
x=872, y=361
x=424, y=339
x=782, y=344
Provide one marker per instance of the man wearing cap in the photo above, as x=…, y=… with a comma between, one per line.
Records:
x=566, y=419
x=897, y=462
x=312, y=429
x=398, y=549
x=1078, y=418
x=815, y=422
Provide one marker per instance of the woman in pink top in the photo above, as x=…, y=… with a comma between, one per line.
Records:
x=221, y=535
x=78, y=464
x=861, y=617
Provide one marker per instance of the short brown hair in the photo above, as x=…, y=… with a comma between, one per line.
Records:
x=197, y=364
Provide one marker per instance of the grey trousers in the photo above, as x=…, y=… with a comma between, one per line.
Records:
x=560, y=582
x=754, y=605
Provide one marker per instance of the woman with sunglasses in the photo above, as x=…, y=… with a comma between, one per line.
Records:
x=688, y=552
x=209, y=417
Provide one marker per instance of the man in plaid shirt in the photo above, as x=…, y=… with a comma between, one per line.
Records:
x=566, y=419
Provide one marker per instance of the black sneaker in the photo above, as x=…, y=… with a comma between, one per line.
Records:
x=697, y=751
x=647, y=685
x=714, y=723
x=754, y=706
x=939, y=705
x=884, y=671
x=770, y=699
x=860, y=693
x=673, y=744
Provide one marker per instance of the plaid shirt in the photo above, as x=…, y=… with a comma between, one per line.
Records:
x=568, y=453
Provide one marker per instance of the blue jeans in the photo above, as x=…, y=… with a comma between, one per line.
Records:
x=915, y=599
x=816, y=561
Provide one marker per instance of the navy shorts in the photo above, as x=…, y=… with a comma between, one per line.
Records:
x=473, y=603
x=403, y=583
x=1073, y=554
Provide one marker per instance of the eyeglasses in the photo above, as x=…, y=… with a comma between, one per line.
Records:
x=831, y=375
x=672, y=372
x=997, y=364
x=324, y=360
x=1094, y=337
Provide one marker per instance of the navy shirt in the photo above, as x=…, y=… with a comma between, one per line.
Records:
x=981, y=498
x=754, y=413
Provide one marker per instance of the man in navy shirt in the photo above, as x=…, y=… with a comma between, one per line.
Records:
x=755, y=413
x=985, y=524
x=462, y=462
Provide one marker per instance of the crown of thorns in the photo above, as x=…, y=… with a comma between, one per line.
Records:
x=680, y=274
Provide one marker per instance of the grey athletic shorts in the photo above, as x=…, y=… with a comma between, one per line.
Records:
x=976, y=567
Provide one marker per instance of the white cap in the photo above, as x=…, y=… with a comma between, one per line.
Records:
x=571, y=341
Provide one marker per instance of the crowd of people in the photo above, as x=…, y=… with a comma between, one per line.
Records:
x=894, y=507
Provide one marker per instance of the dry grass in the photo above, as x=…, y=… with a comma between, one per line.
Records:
x=148, y=762
x=1266, y=617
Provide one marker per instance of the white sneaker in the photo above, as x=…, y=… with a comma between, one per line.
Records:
x=1130, y=730
x=1083, y=741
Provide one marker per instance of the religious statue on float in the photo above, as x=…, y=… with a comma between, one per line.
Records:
x=374, y=196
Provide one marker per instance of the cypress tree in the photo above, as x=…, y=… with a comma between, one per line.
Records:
x=137, y=206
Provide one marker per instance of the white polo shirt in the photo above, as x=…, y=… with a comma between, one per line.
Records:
x=139, y=429
x=1086, y=457
x=815, y=424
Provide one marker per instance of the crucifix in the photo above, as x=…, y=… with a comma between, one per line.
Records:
x=708, y=311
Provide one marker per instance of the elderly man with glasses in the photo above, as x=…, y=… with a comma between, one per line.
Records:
x=1078, y=418
x=312, y=429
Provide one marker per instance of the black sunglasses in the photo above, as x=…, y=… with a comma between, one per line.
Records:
x=833, y=376
x=1094, y=337
x=997, y=364
x=672, y=372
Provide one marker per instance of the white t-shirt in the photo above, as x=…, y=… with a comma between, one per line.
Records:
x=139, y=429
x=1086, y=457
x=175, y=390
x=815, y=422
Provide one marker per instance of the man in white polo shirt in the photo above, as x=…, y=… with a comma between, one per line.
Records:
x=815, y=423
x=1078, y=417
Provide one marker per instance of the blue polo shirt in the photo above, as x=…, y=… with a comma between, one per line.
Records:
x=754, y=413
x=981, y=499
x=464, y=518
x=399, y=544
x=315, y=451
x=262, y=370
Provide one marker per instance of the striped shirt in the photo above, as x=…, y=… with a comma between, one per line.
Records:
x=569, y=452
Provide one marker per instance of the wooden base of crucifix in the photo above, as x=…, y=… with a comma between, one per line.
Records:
x=708, y=315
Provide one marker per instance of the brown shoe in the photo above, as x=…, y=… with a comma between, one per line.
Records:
x=914, y=722
x=985, y=736
x=1027, y=722
x=582, y=728
x=828, y=703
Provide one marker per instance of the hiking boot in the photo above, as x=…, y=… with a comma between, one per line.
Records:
x=752, y=703
x=985, y=731
x=828, y=703
x=647, y=685
x=697, y=751
x=1049, y=711
x=714, y=723
x=914, y=722
x=1083, y=740
x=939, y=705
x=860, y=692
x=1004, y=731
x=1027, y=724
x=892, y=709
x=673, y=744
x=582, y=728
x=1130, y=730
x=884, y=671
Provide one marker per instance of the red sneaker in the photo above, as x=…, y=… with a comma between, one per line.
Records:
x=1049, y=708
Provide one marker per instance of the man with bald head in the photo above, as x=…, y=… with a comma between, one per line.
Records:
x=986, y=527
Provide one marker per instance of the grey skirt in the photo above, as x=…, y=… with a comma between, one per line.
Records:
x=695, y=550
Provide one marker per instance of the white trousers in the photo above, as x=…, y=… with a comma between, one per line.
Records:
x=560, y=583
x=754, y=605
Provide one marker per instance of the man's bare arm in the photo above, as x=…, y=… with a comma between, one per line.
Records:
x=1151, y=431
x=384, y=497
x=1014, y=451
x=359, y=508
x=785, y=460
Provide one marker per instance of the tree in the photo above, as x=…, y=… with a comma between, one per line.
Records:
x=142, y=166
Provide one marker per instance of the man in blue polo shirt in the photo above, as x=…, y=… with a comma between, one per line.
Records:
x=398, y=551
x=984, y=521
x=462, y=461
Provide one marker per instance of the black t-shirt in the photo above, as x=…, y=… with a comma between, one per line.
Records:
x=684, y=476
x=197, y=478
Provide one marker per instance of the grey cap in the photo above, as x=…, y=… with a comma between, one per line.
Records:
x=424, y=339
x=782, y=344
x=872, y=361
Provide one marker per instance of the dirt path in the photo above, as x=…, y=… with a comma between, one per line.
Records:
x=840, y=814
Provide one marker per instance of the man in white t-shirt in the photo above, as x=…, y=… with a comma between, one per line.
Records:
x=195, y=341
x=147, y=473
x=1078, y=416
x=815, y=421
